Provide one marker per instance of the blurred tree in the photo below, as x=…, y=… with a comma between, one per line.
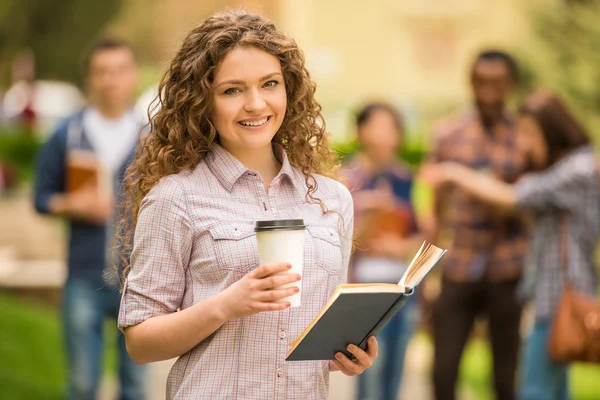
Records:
x=569, y=33
x=56, y=31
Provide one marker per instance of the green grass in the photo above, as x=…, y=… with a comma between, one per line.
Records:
x=32, y=360
x=476, y=375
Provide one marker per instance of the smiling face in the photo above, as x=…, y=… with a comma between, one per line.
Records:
x=249, y=99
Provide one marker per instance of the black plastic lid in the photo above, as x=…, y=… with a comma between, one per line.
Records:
x=279, y=225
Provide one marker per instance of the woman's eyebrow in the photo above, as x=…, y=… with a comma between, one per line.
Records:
x=240, y=82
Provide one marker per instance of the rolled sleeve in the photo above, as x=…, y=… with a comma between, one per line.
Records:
x=160, y=257
x=347, y=210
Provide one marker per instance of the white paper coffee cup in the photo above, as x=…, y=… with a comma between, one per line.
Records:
x=282, y=241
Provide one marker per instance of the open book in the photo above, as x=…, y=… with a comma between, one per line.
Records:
x=356, y=312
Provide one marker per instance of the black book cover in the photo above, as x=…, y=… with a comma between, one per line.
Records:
x=351, y=319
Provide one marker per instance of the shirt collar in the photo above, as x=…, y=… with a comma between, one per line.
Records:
x=295, y=177
x=229, y=169
x=472, y=115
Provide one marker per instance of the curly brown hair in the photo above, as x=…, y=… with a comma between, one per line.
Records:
x=181, y=133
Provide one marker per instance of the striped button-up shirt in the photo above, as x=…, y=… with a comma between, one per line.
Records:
x=568, y=188
x=195, y=237
x=485, y=244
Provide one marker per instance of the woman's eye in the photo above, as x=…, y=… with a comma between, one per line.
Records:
x=271, y=84
x=231, y=91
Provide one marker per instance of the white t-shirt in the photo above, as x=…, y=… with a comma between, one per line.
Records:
x=112, y=139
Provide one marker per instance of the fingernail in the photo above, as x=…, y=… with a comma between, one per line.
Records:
x=350, y=348
x=296, y=289
x=338, y=356
x=298, y=277
x=288, y=266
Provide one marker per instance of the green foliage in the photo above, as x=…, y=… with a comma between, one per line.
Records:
x=411, y=155
x=56, y=31
x=19, y=150
x=568, y=35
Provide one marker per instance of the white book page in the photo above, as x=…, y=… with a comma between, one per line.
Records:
x=425, y=259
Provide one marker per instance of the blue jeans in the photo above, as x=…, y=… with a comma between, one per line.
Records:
x=85, y=307
x=382, y=380
x=541, y=379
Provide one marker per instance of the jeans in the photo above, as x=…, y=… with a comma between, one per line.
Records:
x=541, y=379
x=382, y=380
x=85, y=307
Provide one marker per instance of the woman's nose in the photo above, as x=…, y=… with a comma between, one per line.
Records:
x=254, y=101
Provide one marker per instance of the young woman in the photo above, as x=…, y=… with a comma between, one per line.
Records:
x=238, y=138
x=387, y=235
x=563, y=190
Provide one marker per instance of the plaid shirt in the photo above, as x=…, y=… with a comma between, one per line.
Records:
x=570, y=187
x=485, y=244
x=195, y=237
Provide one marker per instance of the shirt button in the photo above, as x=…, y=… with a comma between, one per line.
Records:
x=282, y=335
x=279, y=372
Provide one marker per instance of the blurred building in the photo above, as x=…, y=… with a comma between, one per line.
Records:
x=414, y=54
x=50, y=102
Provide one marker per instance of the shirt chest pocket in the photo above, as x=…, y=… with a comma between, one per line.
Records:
x=234, y=246
x=326, y=246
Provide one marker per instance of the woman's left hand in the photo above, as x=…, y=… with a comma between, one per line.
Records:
x=364, y=359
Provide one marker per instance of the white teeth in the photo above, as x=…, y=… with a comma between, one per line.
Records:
x=254, y=123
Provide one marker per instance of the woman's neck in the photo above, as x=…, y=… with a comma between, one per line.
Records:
x=110, y=111
x=261, y=160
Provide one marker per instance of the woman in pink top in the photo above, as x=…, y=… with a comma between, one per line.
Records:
x=238, y=137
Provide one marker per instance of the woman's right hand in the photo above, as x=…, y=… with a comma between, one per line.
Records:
x=256, y=292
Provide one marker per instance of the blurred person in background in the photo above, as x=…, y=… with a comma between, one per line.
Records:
x=106, y=130
x=563, y=189
x=387, y=235
x=488, y=247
